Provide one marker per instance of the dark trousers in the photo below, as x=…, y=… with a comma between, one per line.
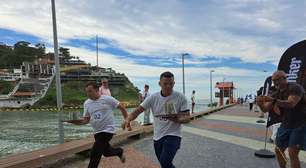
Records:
x=251, y=106
x=165, y=150
x=102, y=147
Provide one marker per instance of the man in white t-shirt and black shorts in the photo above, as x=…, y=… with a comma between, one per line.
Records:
x=167, y=131
x=98, y=111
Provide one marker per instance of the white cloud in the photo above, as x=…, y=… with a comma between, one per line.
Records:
x=254, y=31
x=195, y=78
x=158, y=28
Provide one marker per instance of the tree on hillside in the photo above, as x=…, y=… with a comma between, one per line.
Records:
x=5, y=54
x=12, y=57
x=65, y=53
x=24, y=52
x=41, y=49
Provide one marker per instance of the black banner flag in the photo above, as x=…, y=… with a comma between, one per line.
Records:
x=293, y=63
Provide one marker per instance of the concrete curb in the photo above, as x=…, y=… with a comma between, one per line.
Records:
x=77, y=107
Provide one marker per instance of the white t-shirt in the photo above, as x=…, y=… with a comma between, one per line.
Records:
x=145, y=95
x=174, y=103
x=251, y=99
x=100, y=112
x=193, y=98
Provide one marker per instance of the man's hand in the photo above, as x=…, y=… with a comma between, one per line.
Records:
x=263, y=99
x=276, y=110
x=82, y=121
x=180, y=119
x=173, y=119
x=130, y=117
x=76, y=122
x=126, y=124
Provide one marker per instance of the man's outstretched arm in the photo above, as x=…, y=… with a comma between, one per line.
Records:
x=132, y=116
x=83, y=121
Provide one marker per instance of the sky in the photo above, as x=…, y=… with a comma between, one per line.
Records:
x=240, y=40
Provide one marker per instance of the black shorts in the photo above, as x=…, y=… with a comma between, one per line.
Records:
x=295, y=137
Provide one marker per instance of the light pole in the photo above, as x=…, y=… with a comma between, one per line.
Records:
x=223, y=91
x=238, y=95
x=211, y=71
x=183, y=69
x=236, y=92
x=58, y=79
x=97, y=50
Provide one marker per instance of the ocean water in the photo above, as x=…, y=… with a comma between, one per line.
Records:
x=26, y=131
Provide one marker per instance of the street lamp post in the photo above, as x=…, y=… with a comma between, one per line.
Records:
x=97, y=50
x=237, y=93
x=183, y=69
x=223, y=91
x=211, y=71
x=58, y=79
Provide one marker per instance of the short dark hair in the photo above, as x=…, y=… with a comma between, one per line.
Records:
x=166, y=74
x=93, y=84
x=146, y=86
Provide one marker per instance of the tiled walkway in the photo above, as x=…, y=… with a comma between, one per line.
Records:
x=225, y=139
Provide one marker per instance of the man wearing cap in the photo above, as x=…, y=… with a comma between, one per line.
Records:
x=289, y=103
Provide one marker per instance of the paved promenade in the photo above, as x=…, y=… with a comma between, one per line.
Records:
x=225, y=139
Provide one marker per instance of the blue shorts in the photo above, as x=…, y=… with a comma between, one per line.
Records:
x=295, y=137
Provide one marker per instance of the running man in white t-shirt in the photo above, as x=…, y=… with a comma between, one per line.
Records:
x=98, y=111
x=167, y=131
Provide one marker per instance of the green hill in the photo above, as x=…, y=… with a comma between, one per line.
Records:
x=72, y=90
x=73, y=94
